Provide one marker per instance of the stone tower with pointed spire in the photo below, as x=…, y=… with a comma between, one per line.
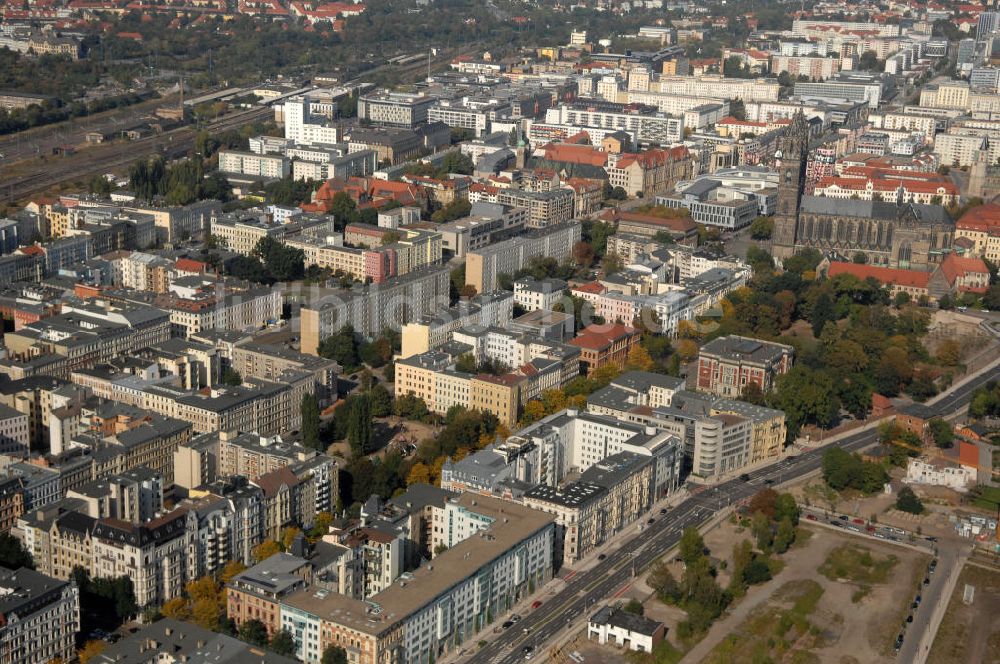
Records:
x=790, y=163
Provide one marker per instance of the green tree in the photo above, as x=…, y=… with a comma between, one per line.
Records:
x=381, y=401
x=907, y=501
x=253, y=632
x=231, y=376
x=359, y=427
x=692, y=546
x=942, y=432
x=466, y=363
x=761, y=228
x=283, y=643
x=334, y=655
x=785, y=535
x=341, y=347
x=13, y=555
x=309, y=410
x=758, y=571
x=760, y=526
x=663, y=583
x=634, y=607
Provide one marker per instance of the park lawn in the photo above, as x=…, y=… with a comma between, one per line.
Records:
x=779, y=630
x=858, y=564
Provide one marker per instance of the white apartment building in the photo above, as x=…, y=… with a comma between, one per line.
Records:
x=256, y=165
x=303, y=128
x=241, y=234
x=960, y=149
x=534, y=294
x=720, y=87
x=500, y=553
x=660, y=128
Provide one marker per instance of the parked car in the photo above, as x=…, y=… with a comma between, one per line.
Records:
x=602, y=556
x=537, y=603
x=744, y=477
x=844, y=517
x=860, y=522
x=514, y=617
x=507, y=624
x=811, y=517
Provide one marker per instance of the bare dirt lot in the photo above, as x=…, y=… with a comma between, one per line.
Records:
x=838, y=599
x=971, y=632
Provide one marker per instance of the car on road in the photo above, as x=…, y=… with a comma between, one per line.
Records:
x=744, y=477
x=528, y=652
x=603, y=556
x=114, y=638
x=811, y=517
x=537, y=603
x=768, y=481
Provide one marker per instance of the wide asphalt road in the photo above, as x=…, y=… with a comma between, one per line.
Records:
x=611, y=576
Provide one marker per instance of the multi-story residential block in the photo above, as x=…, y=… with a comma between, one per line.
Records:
x=434, y=330
x=11, y=502
x=726, y=365
x=14, y=432
x=816, y=68
x=487, y=224
x=247, y=163
x=270, y=361
x=648, y=125
x=256, y=593
x=374, y=307
x=483, y=266
x=87, y=334
x=303, y=126
x=534, y=294
x=252, y=455
x=241, y=233
x=506, y=552
x=545, y=208
x=41, y=617
x=152, y=554
x=720, y=87
x=169, y=641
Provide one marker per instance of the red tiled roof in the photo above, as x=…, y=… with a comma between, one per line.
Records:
x=574, y=154
x=955, y=266
x=980, y=218
x=189, y=265
x=597, y=337
x=594, y=287
x=884, y=275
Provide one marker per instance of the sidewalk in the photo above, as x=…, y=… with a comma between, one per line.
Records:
x=927, y=638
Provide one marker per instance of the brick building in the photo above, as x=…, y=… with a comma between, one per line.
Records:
x=728, y=364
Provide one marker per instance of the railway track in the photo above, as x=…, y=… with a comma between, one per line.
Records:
x=171, y=144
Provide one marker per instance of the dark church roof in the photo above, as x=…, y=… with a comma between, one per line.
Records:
x=839, y=207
